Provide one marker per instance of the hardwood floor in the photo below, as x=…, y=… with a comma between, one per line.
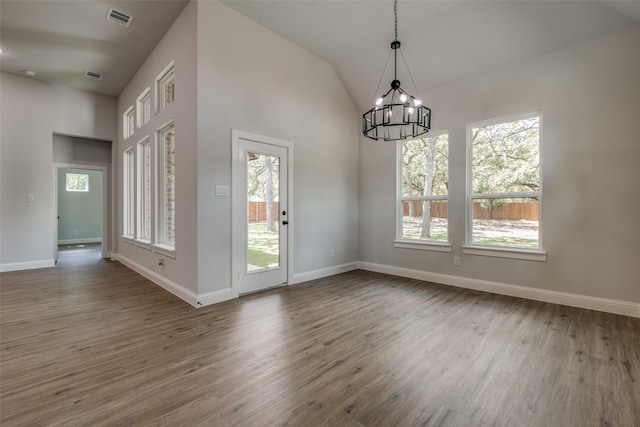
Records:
x=96, y=344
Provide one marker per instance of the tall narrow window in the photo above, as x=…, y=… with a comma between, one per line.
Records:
x=144, y=107
x=144, y=190
x=128, y=213
x=165, y=87
x=423, y=182
x=128, y=122
x=167, y=185
x=505, y=189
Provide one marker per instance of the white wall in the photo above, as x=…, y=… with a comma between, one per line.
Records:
x=590, y=98
x=69, y=149
x=79, y=212
x=179, y=45
x=254, y=80
x=30, y=113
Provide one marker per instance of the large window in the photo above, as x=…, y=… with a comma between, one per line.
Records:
x=144, y=190
x=503, y=204
x=167, y=185
x=129, y=193
x=423, y=182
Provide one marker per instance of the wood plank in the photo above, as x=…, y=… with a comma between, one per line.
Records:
x=97, y=344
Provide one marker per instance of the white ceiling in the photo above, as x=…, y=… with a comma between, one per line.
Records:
x=442, y=41
x=60, y=40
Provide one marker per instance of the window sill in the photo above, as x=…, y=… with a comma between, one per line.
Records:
x=528, y=255
x=128, y=239
x=165, y=250
x=423, y=245
x=146, y=244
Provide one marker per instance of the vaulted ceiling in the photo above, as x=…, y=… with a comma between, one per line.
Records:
x=442, y=41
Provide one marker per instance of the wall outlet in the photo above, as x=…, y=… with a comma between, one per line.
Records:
x=456, y=260
x=332, y=253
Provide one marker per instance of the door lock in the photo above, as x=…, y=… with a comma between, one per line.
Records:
x=285, y=222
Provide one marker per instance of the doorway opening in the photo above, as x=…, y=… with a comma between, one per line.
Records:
x=81, y=214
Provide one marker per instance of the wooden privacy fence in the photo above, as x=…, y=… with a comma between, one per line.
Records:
x=257, y=211
x=510, y=211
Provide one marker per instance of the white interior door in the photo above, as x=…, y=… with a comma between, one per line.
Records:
x=261, y=214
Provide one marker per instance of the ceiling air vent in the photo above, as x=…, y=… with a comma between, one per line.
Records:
x=119, y=17
x=93, y=75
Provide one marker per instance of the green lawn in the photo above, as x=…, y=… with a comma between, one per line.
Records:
x=263, y=250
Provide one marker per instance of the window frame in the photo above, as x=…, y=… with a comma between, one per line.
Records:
x=142, y=239
x=537, y=254
x=129, y=195
x=422, y=244
x=144, y=97
x=128, y=122
x=162, y=245
x=167, y=74
x=66, y=178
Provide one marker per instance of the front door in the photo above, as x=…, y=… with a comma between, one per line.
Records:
x=261, y=213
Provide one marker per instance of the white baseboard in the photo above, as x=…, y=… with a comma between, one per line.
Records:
x=323, y=272
x=79, y=241
x=174, y=288
x=215, y=297
x=574, y=300
x=30, y=265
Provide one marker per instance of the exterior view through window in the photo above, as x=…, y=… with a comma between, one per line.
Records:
x=77, y=182
x=504, y=205
x=424, y=188
x=263, y=225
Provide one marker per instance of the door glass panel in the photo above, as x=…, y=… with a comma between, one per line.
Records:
x=263, y=213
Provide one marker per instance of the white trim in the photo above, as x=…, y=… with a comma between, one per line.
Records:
x=427, y=245
x=503, y=252
x=215, y=297
x=238, y=200
x=400, y=198
x=142, y=243
x=564, y=298
x=105, y=176
x=80, y=241
x=170, y=68
x=166, y=250
x=177, y=290
x=470, y=195
x=30, y=265
x=323, y=272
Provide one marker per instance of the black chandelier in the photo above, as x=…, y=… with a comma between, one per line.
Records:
x=397, y=115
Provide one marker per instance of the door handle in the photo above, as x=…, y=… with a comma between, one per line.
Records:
x=285, y=222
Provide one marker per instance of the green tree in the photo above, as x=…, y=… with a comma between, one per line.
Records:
x=425, y=172
x=262, y=183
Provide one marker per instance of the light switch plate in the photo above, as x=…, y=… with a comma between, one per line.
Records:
x=30, y=198
x=222, y=190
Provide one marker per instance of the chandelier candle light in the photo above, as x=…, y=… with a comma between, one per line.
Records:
x=397, y=115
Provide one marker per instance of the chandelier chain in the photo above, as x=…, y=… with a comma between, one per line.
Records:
x=395, y=15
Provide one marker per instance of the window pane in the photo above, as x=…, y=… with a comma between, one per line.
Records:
x=129, y=201
x=146, y=225
x=263, y=224
x=506, y=222
x=506, y=157
x=169, y=186
x=424, y=220
x=77, y=182
x=425, y=166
